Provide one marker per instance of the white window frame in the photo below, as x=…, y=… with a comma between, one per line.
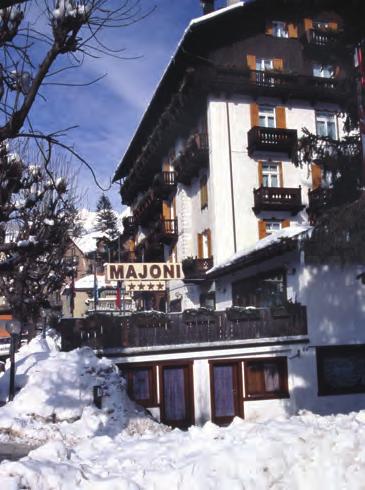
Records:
x=272, y=223
x=326, y=118
x=280, y=29
x=267, y=112
x=270, y=173
x=264, y=64
x=323, y=71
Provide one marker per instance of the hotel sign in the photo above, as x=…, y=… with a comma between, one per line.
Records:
x=143, y=271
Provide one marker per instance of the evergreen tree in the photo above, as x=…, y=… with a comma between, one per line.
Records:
x=106, y=218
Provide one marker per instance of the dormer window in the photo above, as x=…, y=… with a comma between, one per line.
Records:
x=280, y=29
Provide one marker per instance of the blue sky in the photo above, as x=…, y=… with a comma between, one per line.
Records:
x=108, y=112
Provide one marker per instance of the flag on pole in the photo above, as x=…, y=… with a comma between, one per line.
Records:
x=72, y=294
x=118, y=299
x=96, y=291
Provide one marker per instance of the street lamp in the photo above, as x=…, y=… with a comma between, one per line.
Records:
x=14, y=328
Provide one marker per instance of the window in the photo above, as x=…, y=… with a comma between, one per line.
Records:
x=175, y=306
x=270, y=174
x=341, y=370
x=326, y=125
x=204, y=244
x=323, y=71
x=261, y=291
x=272, y=226
x=266, y=117
x=141, y=384
x=207, y=300
x=263, y=64
x=279, y=29
x=203, y=192
x=266, y=378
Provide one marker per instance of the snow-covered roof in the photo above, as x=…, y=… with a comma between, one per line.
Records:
x=87, y=243
x=272, y=239
x=193, y=23
x=87, y=282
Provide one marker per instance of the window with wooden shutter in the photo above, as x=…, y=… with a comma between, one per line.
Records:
x=308, y=24
x=280, y=117
x=203, y=192
x=251, y=61
x=200, y=245
x=268, y=29
x=316, y=175
x=259, y=167
x=278, y=64
x=292, y=30
x=254, y=109
x=166, y=210
x=285, y=223
x=281, y=178
x=209, y=240
x=262, y=229
x=166, y=166
x=333, y=26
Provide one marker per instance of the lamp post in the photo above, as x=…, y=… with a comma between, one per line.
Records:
x=14, y=328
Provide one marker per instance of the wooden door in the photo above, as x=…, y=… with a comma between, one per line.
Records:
x=177, y=395
x=226, y=391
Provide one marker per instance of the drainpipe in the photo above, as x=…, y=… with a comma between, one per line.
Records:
x=231, y=178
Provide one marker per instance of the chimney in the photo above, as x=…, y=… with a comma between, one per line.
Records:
x=208, y=6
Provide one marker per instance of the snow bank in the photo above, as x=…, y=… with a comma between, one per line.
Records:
x=300, y=453
x=56, y=397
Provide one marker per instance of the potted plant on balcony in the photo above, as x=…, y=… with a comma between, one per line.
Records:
x=242, y=313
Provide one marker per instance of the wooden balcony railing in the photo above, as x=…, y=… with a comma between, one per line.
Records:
x=193, y=157
x=272, y=139
x=164, y=183
x=233, y=79
x=320, y=38
x=278, y=199
x=165, y=231
x=129, y=225
x=196, y=268
x=138, y=331
x=147, y=209
x=319, y=199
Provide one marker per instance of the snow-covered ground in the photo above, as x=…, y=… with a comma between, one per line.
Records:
x=121, y=448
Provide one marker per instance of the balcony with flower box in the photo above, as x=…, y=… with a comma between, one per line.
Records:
x=317, y=42
x=190, y=329
x=193, y=157
x=278, y=199
x=195, y=268
x=279, y=140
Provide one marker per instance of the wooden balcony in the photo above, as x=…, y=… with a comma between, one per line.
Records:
x=148, y=208
x=191, y=329
x=319, y=199
x=164, y=184
x=129, y=226
x=278, y=199
x=165, y=231
x=233, y=79
x=319, y=38
x=272, y=140
x=196, y=268
x=193, y=157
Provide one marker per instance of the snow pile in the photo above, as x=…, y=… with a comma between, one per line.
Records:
x=302, y=452
x=56, y=399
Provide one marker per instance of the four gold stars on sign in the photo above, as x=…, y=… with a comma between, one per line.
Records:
x=150, y=286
